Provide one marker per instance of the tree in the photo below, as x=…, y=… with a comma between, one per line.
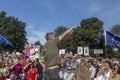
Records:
x=93, y=31
x=115, y=29
x=37, y=43
x=64, y=43
x=89, y=33
x=2, y=14
x=13, y=30
x=60, y=30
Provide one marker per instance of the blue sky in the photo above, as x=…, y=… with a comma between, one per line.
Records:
x=43, y=16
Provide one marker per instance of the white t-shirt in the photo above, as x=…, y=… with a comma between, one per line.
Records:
x=66, y=75
x=101, y=77
x=61, y=75
x=93, y=72
x=107, y=75
x=78, y=60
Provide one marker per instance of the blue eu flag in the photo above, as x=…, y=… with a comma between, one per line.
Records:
x=112, y=40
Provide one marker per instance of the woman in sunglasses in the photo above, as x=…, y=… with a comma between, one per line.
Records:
x=69, y=75
x=115, y=74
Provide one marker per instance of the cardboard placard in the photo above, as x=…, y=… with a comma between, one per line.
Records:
x=82, y=73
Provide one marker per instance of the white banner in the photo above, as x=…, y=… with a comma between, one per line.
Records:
x=98, y=51
x=86, y=51
x=71, y=54
x=62, y=51
x=80, y=50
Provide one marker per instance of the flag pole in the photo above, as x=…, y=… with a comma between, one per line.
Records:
x=105, y=45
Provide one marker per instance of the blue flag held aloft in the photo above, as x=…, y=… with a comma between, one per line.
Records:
x=5, y=41
x=112, y=40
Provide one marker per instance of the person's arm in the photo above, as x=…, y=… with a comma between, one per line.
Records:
x=26, y=66
x=13, y=65
x=8, y=71
x=41, y=62
x=65, y=33
x=111, y=76
x=36, y=74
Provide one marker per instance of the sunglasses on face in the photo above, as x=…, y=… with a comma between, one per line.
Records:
x=69, y=69
x=115, y=68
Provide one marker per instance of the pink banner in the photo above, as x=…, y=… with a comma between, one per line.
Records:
x=27, y=52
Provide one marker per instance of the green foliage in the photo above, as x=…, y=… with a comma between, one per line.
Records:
x=37, y=43
x=109, y=52
x=115, y=29
x=58, y=32
x=89, y=33
x=2, y=14
x=117, y=54
x=13, y=30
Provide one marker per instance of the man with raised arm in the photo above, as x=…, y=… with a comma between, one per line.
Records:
x=51, y=55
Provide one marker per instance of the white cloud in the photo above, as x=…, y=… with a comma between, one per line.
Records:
x=34, y=35
x=31, y=39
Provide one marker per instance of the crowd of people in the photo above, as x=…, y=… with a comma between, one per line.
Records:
x=102, y=68
x=51, y=65
x=17, y=68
